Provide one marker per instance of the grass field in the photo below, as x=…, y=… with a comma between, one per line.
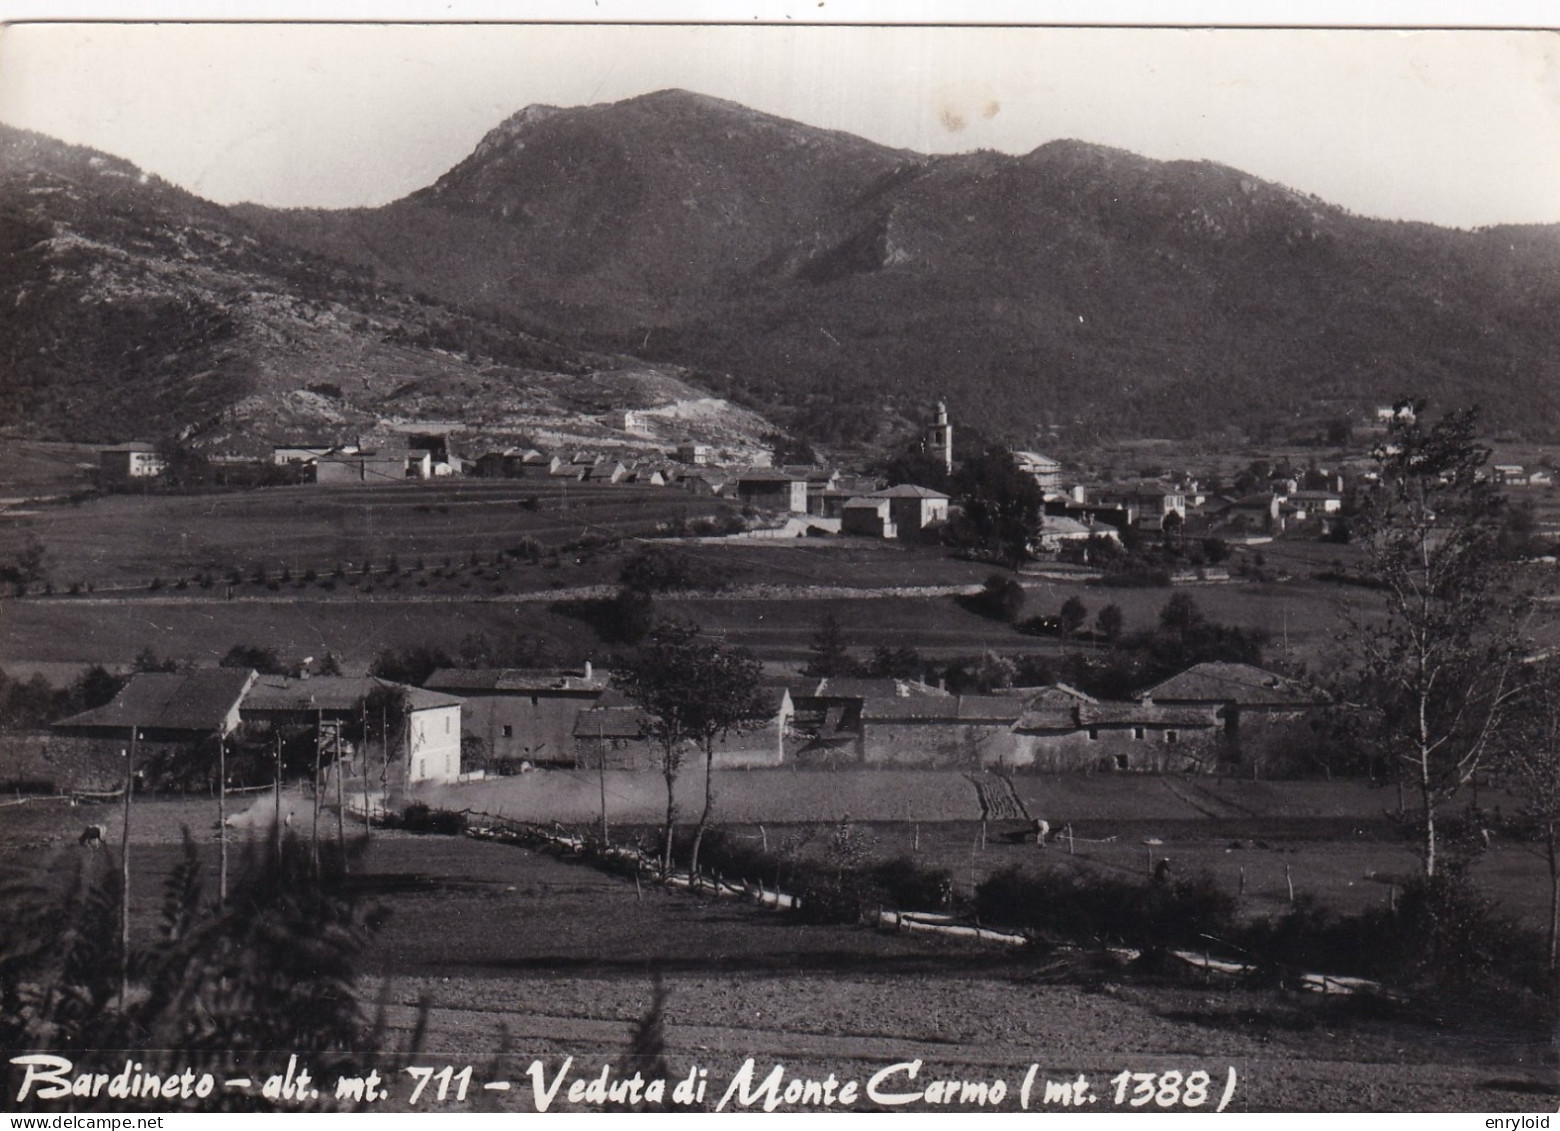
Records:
x=518, y=956
x=129, y=539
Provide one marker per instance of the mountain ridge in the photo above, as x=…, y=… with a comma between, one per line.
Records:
x=838, y=285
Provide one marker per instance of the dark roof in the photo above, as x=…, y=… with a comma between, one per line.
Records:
x=332, y=693
x=610, y=722
x=876, y=688
x=523, y=680
x=908, y=491
x=1144, y=714
x=765, y=475
x=317, y=693
x=1241, y=684
x=132, y=446
x=198, y=700
x=419, y=699
x=932, y=708
x=1058, y=716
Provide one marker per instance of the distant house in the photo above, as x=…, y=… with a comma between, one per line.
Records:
x=608, y=471
x=956, y=731
x=1262, y=713
x=510, y=463
x=912, y=509
x=168, y=707
x=520, y=715
x=176, y=717
x=1316, y=503
x=388, y=462
x=705, y=484
x=694, y=454
x=284, y=454
x=868, y=516
x=1058, y=530
x=1149, y=504
x=428, y=748
x=616, y=731
x=560, y=468
x=1044, y=470
x=612, y=736
x=1510, y=474
x=1062, y=728
x=132, y=462
x=768, y=489
x=627, y=420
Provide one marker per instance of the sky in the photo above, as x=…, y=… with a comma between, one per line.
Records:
x=1460, y=127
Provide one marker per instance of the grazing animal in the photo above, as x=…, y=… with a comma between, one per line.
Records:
x=93, y=836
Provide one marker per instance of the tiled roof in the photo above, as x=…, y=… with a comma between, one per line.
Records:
x=317, y=693
x=610, y=722
x=198, y=700
x=1060, y=717
x=1236, y=683
x=765, y=475
x=908, y=491
x=880, y=688
x=932, y=708
x=421, y=699
x=509, y=679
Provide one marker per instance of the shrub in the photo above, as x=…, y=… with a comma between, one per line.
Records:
x=1001, y=598
x=657, y=569
x=1152, y=915
x=419, y=818
x=909, y=885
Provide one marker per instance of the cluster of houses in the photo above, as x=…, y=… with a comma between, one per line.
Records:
x=840, y=502
x=466, y=723
x=180, y=718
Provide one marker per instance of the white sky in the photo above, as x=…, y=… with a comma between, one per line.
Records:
x=1453, y=127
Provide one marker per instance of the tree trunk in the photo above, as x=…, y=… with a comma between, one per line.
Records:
x=704, y=817
x=671, y=820
x=1554, y=898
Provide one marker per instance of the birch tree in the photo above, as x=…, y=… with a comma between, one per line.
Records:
x=1439, y=660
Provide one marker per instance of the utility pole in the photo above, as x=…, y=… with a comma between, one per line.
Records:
x=278, y=822
x=222, y=867
x=601, y=765
x=314, y=833
x=124, y=877
x=341, y=818
x=368, y=816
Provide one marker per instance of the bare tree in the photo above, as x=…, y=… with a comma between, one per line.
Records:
x=691, y=690
x=1438, y=665
x=1530, y=754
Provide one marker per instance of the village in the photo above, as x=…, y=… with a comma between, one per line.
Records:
x=462, y=724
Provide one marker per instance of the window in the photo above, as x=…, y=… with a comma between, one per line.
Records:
x=446, y=724
x=1171, y=737
x=509, y=732
x=1121, y=761
x=1094, y=734
x=1138, y=732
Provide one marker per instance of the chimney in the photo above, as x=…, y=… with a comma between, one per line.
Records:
x=587, y=669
